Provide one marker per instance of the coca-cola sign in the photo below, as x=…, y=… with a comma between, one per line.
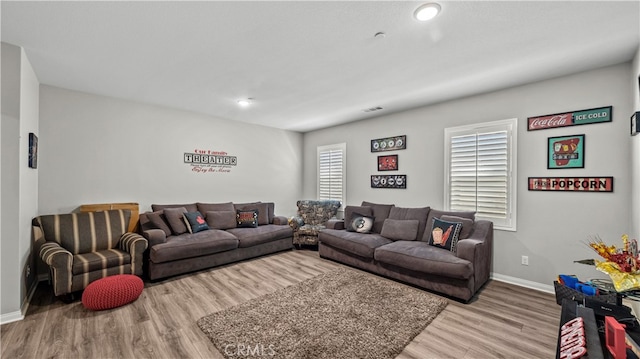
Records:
x=574, y=118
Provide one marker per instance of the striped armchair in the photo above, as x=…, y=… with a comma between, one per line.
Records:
x=80, y=248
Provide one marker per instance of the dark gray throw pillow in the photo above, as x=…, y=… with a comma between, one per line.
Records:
x=175, y=219
x=247, y=219
x=467, y=224
x=195, y=222
x=157, y=220
x=400, y=229
x=221, y=219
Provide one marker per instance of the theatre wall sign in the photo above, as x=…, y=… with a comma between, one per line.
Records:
x=207, y=161
x=574, y=118
x=573, y=184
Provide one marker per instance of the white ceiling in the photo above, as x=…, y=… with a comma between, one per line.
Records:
x=310, y=65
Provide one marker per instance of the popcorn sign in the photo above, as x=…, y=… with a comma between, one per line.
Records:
x=207, y=161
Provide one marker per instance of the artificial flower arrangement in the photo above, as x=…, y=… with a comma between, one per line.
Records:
x=621, y=264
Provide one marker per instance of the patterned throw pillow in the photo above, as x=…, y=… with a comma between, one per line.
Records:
x=360, y=223
x=445, y=234
x=247, y=219
x=195, y=222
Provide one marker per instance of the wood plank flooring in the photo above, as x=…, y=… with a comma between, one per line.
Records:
x=504, y=321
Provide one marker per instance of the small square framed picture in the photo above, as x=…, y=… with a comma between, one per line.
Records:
x=635, y=126
x=388, y=163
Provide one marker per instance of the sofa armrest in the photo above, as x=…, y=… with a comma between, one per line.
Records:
x=154, y=236
x=296, y=222
x=280, y=220
x=478, y=249
x=335, y=224
x=135, y=245
x=60, y=261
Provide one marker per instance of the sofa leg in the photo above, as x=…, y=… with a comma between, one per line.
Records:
x=67, y=298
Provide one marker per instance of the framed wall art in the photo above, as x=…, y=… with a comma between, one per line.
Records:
x=573, y=118
x=388, y=181
x=571, y=184
x=635, y=126
x=33, y=150
x=565, y=152
x=388, y=163
x=389, y=144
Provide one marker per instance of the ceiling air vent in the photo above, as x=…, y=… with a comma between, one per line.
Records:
x=373, y=109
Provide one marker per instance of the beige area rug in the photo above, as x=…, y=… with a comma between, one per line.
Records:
x=340, y=314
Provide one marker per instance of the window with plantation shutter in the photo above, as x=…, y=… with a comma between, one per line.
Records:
x=480, y=171
x=331, y=172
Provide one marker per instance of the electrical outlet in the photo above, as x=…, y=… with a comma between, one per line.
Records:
x=525, y=260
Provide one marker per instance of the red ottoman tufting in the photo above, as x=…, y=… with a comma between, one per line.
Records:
x=111, y=292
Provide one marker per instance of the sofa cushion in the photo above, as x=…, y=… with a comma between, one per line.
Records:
x=467, y=224
x=191, y=207
x=420, y=214
x=193, y=245
x=434, y=213
x=421, y=257
x=195, y=222
x=380, y=212
x=158, y=221
x=221, y=219
x=99, y=260
x=349, y=210
x=212, y=207
x=400, y=229
x=262, y=209
x=246, y=219
x=248, y=237
x=360, y=244
x=272, y=211
x=445, y=234
x=175, y=219
x=360, y=223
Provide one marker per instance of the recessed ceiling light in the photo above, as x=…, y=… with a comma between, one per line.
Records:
x=244, y=102
x=427, y=12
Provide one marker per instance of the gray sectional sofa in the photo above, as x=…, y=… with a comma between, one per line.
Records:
x=174, y=250
x=398, y=246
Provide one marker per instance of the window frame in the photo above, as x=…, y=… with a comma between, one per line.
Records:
x=511, y=126
x=337, y=146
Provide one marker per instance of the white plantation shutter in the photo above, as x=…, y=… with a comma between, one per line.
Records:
x=480, y=171
x=331, y=172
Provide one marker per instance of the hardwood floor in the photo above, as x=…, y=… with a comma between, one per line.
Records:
x=504, y=321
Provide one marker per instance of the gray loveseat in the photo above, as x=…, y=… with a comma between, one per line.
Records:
x=398, y=247
x=174, y=250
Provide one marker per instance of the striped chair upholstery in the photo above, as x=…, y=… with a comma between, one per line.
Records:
x=80, y=248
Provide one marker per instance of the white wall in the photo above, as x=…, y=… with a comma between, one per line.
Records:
x=19, y=184
x=96, y=149
x=552, y=227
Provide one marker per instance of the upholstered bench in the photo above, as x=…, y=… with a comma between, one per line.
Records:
x=112, y=292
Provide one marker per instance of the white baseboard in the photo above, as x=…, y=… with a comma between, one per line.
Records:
x=19, y=315
x=547, y=288
x=11, y=317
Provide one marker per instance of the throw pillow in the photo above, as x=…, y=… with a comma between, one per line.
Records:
x=158, y=222
x=174, y=217
x=445, y=234
x=400, y=229
x=195, y=222
x=263, y=212
x=246, y=219
x=467, y=224
x=221, y=219
x=360, y=223
x=412, y=213
x=350, y=210
x=435, y=213
x=380, y=212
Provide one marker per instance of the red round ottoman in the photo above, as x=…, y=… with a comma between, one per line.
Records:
x=111, y=292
